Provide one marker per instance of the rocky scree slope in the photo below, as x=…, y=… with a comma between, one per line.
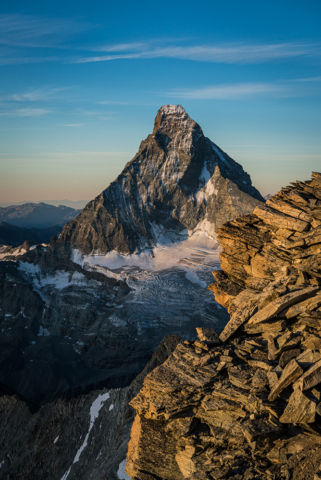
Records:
x=246, y=404
x=179, y=182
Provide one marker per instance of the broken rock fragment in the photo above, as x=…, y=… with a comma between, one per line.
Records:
x=290, y=374
x=300, y=409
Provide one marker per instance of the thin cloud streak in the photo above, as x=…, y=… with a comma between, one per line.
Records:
x=229, y=92
x=41, y=94
x=227, y=53
x=27, y=112
x=121, y=47
x=246, y=90
x=36, y=31
x=25, y=60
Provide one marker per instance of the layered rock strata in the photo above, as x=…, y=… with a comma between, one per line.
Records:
x=246, y=404
x=277, y=246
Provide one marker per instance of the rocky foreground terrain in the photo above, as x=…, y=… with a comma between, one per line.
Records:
x=246, y=404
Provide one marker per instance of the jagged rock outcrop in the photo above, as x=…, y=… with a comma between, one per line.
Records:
x=178, y=183
x=279, y=241
x=248, y=407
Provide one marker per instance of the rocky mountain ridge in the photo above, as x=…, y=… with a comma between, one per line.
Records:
x=246, y=404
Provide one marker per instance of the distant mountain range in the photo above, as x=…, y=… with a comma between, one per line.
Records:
x=67, y=203
x=37, y=215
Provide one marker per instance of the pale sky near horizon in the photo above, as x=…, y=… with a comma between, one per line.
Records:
x=81, y=83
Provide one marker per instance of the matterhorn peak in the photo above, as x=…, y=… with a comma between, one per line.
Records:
x=179, y=184
x=173, y=118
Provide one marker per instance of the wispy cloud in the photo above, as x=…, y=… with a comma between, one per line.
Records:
x=95, y=114
x=73, y=125
x=25, y=60
x=27, y=112
x=229, y=92
x=309, y=79
x=36, y=31
x=224, y=53
x=121, y=47
x=40, y=94
x=291, y=88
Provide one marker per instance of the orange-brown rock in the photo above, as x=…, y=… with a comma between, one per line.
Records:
x=246, y=408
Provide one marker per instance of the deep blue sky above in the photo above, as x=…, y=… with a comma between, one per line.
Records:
x=81, y=83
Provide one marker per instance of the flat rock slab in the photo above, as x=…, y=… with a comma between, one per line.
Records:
x=274, y=326
x=207, y=335
x=312, y=343
x=300, y=409
x=288, y=355
x=310, y=378
x=290, y=374
x=308, y=358
x=280, y=220
x=306, y=305
x=281, y=303
x=242, y=314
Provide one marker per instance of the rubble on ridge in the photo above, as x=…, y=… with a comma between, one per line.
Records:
x=248, y=407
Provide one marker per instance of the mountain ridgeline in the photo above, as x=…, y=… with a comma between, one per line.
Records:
x=179, y=183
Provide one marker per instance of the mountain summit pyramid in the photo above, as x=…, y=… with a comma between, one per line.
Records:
x=178, y=184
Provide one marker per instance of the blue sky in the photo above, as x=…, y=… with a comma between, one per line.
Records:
x=81, y=83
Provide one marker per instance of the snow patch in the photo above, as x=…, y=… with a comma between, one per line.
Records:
x=56, y=439
x=94, y=413
x=121, y=473
x=61, y=279
x=162, y=256
x=173, y=109
x=111, y=406
x=194, y=278
x=220, y=154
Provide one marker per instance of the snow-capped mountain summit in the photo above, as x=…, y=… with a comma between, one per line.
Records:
x=178, y=184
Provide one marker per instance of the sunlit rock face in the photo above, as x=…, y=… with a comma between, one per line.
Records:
x=178, y=184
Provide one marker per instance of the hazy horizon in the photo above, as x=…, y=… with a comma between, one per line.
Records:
x=81, y=86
